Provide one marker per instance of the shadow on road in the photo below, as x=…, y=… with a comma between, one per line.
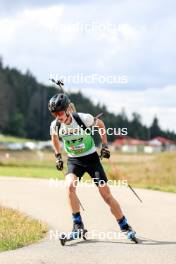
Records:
x=142, y=241
x=148, y=241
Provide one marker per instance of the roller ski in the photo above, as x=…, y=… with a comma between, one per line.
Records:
x=74, y=235
x=78, y=231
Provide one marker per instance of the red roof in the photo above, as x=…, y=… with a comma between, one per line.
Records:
x=128, y=141
x=164, y=140
x=125, y=140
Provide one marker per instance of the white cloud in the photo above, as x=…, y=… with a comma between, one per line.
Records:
x=148, y=103
x=142, y=46
x=138, y=40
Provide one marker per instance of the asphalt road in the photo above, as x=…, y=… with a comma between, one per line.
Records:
x=154, y=220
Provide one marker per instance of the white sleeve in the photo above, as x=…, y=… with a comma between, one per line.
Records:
x=53, y=128
x=87, y=119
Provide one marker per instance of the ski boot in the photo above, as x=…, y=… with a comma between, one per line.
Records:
x=127, y=230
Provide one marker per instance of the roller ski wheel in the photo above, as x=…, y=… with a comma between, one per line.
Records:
x=131, y=235
x=74, y=235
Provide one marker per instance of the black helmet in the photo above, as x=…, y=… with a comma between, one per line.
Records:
x=59, y=102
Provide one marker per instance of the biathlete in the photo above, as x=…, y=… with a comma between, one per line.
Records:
x=82, y=157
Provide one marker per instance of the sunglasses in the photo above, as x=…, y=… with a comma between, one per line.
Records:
x=59, y=114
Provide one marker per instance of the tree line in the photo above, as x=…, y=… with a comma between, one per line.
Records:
x=24, y=109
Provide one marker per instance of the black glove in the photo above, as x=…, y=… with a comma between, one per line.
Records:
x=59, y=162
x=105, y=153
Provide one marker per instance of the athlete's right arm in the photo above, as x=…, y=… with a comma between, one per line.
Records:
x=57, y=150
x=54, y=137
x=56, y=143
x=56, y=146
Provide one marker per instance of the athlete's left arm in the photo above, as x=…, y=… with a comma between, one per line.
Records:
x=102, y=131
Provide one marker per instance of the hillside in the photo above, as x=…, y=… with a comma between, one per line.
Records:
x=24, y=109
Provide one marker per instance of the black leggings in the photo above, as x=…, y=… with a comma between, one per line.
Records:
x=90, y=164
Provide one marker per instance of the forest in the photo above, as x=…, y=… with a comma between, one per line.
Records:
x=24, y=109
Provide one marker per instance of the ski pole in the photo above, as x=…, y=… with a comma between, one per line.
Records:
x=81, y=205
x=135, y=193
x=99, y=115
x=129, y=186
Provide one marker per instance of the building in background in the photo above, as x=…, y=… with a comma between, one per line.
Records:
x=163, y=144
x=131, y=145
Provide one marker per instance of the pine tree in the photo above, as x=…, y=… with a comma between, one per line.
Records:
x=155, y=129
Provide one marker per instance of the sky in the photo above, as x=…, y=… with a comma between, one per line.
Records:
x=120, y=53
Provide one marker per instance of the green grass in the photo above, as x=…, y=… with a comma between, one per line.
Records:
x=155, y=171
x=11, y=139
x=18, y=229
x=152, y=171
x=29, y=164
x=33, y=172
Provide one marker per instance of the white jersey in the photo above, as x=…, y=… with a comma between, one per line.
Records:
x=79, y=144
